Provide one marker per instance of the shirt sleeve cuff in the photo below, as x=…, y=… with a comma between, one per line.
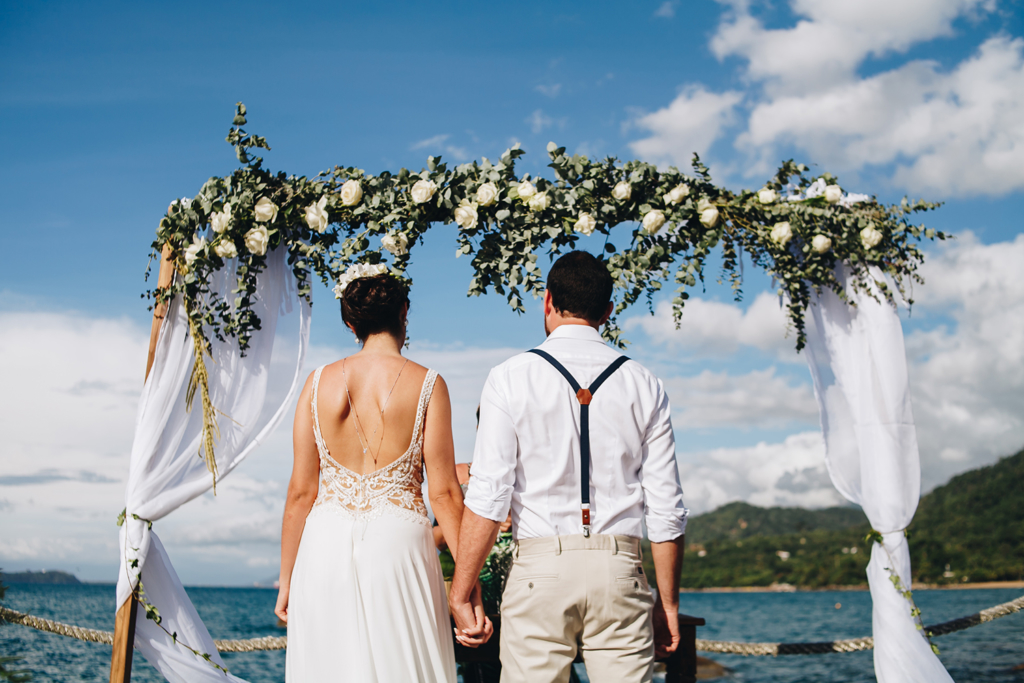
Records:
x=492, y=505
x=667, y=528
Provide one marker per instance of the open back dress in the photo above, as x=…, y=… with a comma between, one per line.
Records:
x=367, y=600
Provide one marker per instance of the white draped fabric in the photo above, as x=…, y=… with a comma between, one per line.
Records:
x=166, y=471
x=859, y=367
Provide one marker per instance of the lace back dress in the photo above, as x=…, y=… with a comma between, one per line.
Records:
x=367, y=600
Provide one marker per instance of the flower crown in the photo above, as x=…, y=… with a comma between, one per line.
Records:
x=356, y=271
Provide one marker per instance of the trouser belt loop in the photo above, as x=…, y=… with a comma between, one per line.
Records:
x=615, y=546
x=558, y=545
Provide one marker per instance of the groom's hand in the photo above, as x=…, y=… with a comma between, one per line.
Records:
x=666, y=629
x=472, y=627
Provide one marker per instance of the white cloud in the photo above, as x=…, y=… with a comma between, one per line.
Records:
x=791, y=473
x=712, y=328
x=666, y=10
x=953, y=131
x=437, y=143
x=551, y=90
x=968, y=379
x=691, y=123
x=539, y=121
x=831, y=39
x=757, y=399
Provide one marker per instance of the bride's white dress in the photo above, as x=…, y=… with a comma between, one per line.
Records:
x=367, y=600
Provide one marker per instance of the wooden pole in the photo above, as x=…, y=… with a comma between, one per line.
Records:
x=124, y=623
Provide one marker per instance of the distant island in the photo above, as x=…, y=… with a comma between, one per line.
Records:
x=44, y=576
x=970, y=530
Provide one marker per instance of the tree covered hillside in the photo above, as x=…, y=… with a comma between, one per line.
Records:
x=970, y=530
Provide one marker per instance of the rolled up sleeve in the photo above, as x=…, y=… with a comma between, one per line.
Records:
x=664, y=512
x=494, y=457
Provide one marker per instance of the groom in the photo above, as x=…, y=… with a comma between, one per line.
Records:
x=577, y=439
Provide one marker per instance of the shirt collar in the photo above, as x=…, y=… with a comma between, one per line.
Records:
x=580, y=332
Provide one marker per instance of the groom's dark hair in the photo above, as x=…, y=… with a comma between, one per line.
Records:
x=580, y=285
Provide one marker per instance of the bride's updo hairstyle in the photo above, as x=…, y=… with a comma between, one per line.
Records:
x=374, y=304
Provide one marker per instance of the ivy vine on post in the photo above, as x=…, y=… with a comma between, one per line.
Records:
x=660, y=227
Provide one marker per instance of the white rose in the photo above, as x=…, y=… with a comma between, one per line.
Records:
x=265, y=211
x=870, y=237
x=782, y=233
x=540, y=201
x=709, y=216
x=622, y=191
x=423, y=190
x=487, y=194
x=256, y=240
x=653, y=220
x=316, y=215
x=221, y=220
x=833, y=193
x=767, y=196
x=585, y=224
x=351, y=192
x=526, y=190
x=192, y=250
x=466, y=215
x=708, y=212
x=396, y=243
x=185, y=203
x=677, y=193
x=226, y=249
x=820, y=244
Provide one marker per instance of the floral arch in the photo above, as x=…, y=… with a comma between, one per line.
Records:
x=248, y=245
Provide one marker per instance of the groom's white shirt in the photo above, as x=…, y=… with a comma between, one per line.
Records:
x=527, y=451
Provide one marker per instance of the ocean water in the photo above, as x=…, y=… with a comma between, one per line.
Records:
x=988, y=652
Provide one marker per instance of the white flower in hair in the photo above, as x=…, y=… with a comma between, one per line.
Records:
x=356, y=271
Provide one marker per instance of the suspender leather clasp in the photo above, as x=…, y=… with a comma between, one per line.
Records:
x=584, y=397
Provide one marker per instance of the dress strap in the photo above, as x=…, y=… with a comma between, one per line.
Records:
x=316, y=416
x=421, y=408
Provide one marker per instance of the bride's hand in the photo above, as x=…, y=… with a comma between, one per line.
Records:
x=482, y=629
x=281, y=609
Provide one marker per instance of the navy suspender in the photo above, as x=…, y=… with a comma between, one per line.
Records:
x=584, y=396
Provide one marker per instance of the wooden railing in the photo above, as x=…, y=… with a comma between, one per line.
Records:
x=680, y=667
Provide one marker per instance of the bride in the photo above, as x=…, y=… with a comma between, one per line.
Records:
x=361, y=587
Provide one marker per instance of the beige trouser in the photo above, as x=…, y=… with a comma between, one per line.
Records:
x=569, y=593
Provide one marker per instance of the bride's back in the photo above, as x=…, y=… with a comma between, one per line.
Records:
x=375, y=382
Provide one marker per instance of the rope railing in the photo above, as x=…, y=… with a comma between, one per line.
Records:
x=719, y=646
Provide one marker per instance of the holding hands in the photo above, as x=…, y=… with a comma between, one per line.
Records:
x=472, y=627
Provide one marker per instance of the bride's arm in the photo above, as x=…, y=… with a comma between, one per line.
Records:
x=439, y=457
x=302, y=489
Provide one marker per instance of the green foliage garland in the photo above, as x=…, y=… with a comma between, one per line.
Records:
x=674, y=221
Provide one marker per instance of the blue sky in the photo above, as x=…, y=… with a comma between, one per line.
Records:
x=109, y=111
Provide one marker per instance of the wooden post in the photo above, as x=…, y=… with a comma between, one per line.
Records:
x=681, y=666
x=124, y=624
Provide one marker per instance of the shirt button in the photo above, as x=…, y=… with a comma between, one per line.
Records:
x=531, y=584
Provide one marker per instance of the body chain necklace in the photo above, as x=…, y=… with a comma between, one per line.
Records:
x=365, y=443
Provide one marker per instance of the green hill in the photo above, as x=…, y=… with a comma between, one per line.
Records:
x=737, y=521
x=52, y=576
x=974, y=524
